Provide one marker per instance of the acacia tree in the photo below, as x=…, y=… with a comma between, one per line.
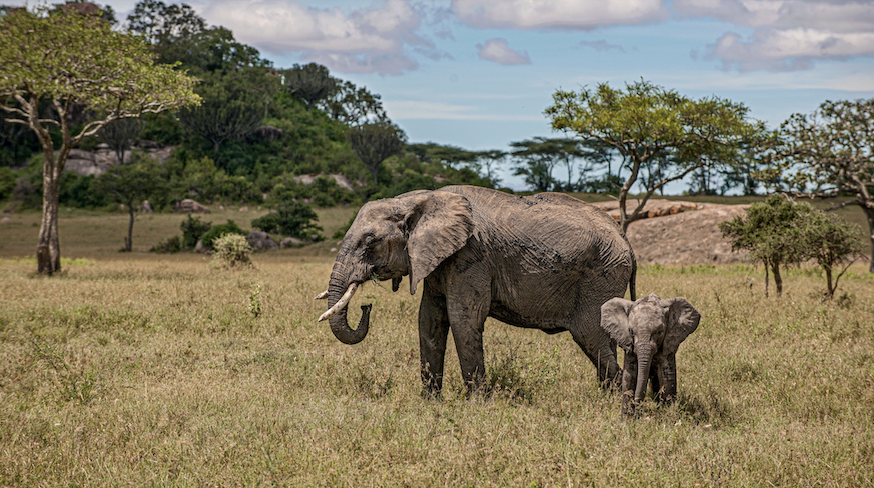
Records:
x=766, y=232
x=67, y=59
x=129, y=184
x=374, y=143
x=352, y=105
x=831, y=242
x=646, y=121
x=830, y=153
x=540, y=155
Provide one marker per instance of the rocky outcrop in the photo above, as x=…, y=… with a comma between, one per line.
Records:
x=690, y=237
x=653, y=208
x=96, y=162
x=260, y=241
x=341, y=180
x=189, y=206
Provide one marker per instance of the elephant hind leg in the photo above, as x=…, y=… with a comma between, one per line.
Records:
x=599, y=348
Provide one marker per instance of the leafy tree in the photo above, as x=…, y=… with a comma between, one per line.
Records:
x=766, y=232
x=294, y=219
x=311, y=83
x=121, y=134
x=352, y=105
x=129, y=184
x=830, y=241
x=192, y=230
x=486, y=164
x=160, y=23
x=645, y=121
x=17, y=141
x=374, y=143
x=830, y=153
x=69, y=59
x=232, y=107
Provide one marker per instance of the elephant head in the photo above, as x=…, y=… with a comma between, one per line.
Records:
x=649, y=330
x=391, y=238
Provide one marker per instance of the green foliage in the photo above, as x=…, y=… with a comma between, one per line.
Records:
x=375, y=142
x=323, y=192
x=311, y=83
x=192, y=230
x=293, y=219
x=231, y=251
x=765, y=231
x=168, y=246
x=779, y=232
x=657, y=131
x=232, y=105
x=7, y=182
x=216, y=231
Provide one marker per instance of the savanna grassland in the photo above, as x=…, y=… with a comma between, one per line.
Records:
x=160, y=370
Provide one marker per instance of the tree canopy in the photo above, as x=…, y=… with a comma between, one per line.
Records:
x=66, y=59
x=829, y=153
x=646, y=123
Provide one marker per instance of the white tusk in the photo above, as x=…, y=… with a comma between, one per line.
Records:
x=344, y=300
x=322, y=295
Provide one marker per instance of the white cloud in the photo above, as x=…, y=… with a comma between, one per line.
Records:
x=418, y=110
x=499, y=51
x=787, y=34
x=368, y=40
x=557, y=14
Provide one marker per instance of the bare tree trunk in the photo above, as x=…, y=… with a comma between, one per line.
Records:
x=128, y=242
x=48, y=249
x=778, y=280
x=767, y=279
x=828, y=278
x=869, y=212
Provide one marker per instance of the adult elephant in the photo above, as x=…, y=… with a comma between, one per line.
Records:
x=547, y=261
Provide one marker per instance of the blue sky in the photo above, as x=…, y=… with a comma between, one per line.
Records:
x=479, y=73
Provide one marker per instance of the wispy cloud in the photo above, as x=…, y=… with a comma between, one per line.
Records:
x=601, y=45
x=499, y=51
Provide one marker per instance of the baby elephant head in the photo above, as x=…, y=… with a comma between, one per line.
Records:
x=649, y=331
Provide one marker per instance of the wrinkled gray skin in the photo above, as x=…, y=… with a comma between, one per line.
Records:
x=649, y=331
x=546, y=261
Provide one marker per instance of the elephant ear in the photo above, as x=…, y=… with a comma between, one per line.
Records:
x=682, y=319
x=438, y=225
x=614, y=320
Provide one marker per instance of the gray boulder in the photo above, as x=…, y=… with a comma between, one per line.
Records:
x=260, y=241
x=200, y=248
x=189, y=206
x=147, y=207
x=291, y=242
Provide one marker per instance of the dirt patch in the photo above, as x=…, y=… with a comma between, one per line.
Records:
x=654, y=208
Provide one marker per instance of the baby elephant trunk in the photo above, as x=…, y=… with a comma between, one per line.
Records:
x=644, y=360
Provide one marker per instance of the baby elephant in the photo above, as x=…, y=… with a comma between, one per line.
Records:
x=649, y=331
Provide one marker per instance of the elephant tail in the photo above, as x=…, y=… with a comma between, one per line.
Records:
x=632, y=282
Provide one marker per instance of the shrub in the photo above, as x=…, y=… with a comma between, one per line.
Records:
x=7, y=182
x=216, y=231
x=192, y=230
x=231, y=250
x=171, y=245
x=292, y=219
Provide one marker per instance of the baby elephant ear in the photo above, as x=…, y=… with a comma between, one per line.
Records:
x=614, y=320
x=682, y=319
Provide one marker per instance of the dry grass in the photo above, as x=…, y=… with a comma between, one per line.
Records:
x=136, y=369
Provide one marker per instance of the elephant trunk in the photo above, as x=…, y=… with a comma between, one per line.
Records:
x=644, y=358
x=340, y=290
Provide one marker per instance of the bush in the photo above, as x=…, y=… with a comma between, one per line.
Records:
x=7, y=182
x=231, y=250
x=171, y=245
x=216, y=231
x=192, y=230
x=293, y=219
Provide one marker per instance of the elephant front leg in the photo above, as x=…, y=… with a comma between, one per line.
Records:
x=629, y=383
x=667, y=375
x=433, y=332
x=467, y=317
